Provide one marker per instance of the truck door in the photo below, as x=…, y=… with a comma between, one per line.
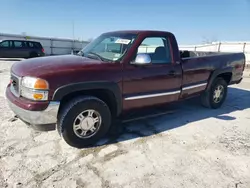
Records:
x=156, y=83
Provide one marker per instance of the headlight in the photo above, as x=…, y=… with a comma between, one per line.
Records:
x=35, y=83
x=34, y=88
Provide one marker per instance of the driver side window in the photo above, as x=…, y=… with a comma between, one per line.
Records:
x=157, y=48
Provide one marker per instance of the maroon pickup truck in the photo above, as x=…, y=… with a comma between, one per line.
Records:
x=81, y=95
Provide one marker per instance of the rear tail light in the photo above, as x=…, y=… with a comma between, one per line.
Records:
x=43, y=50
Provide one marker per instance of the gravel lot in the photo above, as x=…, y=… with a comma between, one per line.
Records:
x=193, y=147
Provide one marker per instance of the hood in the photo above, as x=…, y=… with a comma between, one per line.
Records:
x=50, y=64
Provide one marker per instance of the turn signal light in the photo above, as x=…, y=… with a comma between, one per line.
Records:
x=38, y=96
x=41, y=84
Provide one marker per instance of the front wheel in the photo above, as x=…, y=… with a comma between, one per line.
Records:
x=216, y=95
x=83, y=121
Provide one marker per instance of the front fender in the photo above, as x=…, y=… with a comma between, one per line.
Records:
x=85, y=86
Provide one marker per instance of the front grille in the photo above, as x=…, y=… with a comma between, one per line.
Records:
x=15, y=84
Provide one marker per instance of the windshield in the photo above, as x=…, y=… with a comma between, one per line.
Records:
x=108, y=47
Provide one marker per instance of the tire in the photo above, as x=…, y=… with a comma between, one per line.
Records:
x=207, y=98
x=68, y=116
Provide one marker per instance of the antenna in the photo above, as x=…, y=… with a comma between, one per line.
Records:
x=73, y=29
x=73, y=41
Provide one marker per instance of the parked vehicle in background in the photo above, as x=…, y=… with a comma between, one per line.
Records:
x=20, y=49
x=116, y=73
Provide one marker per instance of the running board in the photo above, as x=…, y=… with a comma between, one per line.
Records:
x=148, y=116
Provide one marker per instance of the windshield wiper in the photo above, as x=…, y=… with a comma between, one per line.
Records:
x=91, y=54
x=96, y=55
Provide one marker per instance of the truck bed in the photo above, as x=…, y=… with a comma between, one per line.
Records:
x=201, y=65
x=190, y=54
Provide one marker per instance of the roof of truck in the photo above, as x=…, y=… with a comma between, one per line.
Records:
x=138, y=31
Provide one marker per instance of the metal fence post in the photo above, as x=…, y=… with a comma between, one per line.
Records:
x=73, y=46
x=244, y=47
x=51, y=46
x=219, y=46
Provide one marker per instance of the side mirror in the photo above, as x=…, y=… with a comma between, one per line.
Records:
x=142, y=59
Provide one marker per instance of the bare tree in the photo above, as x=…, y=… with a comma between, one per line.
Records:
x=90, y=39
x=24, y=34
x=209, y=40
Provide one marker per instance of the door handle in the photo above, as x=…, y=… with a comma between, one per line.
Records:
x=172, y=73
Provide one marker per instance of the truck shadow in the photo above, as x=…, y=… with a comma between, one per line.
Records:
x=185, y=112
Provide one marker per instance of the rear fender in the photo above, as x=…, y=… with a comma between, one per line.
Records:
x=216, y=73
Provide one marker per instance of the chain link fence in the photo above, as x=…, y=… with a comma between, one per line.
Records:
x=222, y=47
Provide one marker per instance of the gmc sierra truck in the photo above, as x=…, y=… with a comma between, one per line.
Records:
x=81, y=95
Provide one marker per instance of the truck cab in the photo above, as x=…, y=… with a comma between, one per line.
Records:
x=158, y=78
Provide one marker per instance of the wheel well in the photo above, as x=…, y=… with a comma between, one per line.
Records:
x=105, y=95
x=226, y=76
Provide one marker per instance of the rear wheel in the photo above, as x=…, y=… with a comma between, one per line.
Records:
x=83, y=121
x=216, y=95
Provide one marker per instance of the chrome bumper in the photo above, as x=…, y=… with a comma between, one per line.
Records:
x=45, y=117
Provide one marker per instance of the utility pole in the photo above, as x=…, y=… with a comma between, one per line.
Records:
x=73, y=32
x=73, y=29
